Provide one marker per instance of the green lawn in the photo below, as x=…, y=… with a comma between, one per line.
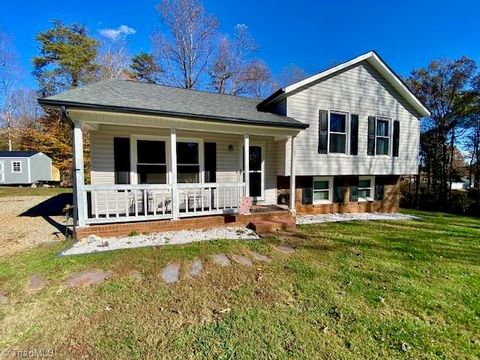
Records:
x=29, y=191
x=407, y=289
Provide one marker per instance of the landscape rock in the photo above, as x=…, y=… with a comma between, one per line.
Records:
x=285, y=249
x=3, y=297
x=171, y=273
x=221, y=259
x=260, y=257
x=196, y=268
x=35, y=283
x=85, y=278
x=242, y=260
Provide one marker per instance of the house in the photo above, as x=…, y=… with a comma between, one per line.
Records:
x=26, y=168
x=337, y=141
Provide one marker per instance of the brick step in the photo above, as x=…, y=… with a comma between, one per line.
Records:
x=270, y=226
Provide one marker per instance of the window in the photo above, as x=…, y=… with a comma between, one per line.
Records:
x=121, y=159
x=188, y=162
x=383, y=136
x=338, y=133
x=366, y=186
x=16, y=166
x=151, y=162
x=333, y=133
x=322, y=190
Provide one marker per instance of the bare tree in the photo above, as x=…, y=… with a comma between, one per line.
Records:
x=290, y=75
x=185, y=51
x=234, y=70
x=113, y=61
x=10, y=73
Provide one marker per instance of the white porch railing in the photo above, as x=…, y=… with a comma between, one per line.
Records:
x=125, y=203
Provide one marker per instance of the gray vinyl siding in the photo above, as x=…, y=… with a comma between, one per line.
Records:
x=34, y=169
x=40, y=168
x=359, y=90
x=228, y=162
x=15, y=178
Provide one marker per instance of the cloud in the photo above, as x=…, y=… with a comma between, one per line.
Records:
x=118, y=33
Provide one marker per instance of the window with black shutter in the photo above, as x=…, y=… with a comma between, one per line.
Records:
x=354, y=189
x=396, y=137
x=338, y=189
x=323, y=132
x=307, y=195
x=121, y=160
x=379, y=188
x=353, y=134
x=371, y=136
x=210, y=155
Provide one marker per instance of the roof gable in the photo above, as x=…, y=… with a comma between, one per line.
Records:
x=375, y=61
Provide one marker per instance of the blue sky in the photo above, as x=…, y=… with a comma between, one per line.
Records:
x=309, y=34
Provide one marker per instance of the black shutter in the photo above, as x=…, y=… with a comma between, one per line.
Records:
x=353, y=134
x=121, y=160
x=379, y=188
x=210, y=155
x=354, y=189
x=371, y=136
x=307, y=195
x=396, y=137
x=338, y=186
x=323, y=132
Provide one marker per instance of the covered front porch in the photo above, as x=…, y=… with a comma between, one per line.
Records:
x=153, y=168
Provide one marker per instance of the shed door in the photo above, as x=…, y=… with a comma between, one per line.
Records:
x=2, y=172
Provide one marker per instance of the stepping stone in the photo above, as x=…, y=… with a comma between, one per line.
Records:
x=221, y=259
x=285, y=249
x=196, y=268
x=242, y=260
x=35, y=283
x=85, y=278
x=135, y=275
x=260, y=257
x=171, y=273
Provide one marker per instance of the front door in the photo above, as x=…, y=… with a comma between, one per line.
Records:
x=2, y=172
x=256, y=171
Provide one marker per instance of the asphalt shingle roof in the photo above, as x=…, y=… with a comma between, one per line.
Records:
x=139, y=97
x=18, y=153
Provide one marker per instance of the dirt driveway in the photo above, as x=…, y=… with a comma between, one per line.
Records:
x=27, y=221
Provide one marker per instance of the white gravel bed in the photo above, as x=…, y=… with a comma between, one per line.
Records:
x=96, y=244
x=316, y=219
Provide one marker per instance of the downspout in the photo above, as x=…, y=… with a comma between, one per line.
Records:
x=64, y=113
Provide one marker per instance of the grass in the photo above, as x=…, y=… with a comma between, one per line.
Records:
x=406, y=289
x=29, y=191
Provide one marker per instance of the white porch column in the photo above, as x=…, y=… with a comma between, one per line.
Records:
x=79, y=195
x=246, y=162
x=173, y=164
x=292, y=174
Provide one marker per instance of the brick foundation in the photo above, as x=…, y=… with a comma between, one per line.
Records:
x=123, y=229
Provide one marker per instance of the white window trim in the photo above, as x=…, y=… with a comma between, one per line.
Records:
x=201, y=159
x=347, y=132
x=133, y=156
x=389, y=137
x=330, y=189
x=166, y=139
x=372, y=188
x=20, y=166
